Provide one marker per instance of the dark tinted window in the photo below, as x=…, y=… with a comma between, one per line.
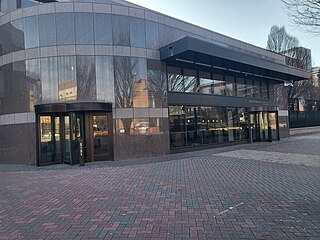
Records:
x=17, y=35
x=152, y=31
x=47, y=30
x=137, y=32
x=65, y=28
x=49, y=79
x=105, y=78
x=84, y=28
x=121, y=31
x=31, y=32
x=5, y=39
x=102, y=28
x=67, y=78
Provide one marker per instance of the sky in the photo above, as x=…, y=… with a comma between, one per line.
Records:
x=246, y=20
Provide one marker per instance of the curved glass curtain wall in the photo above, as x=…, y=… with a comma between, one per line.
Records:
x=127, y=82
x=10, y=5
x=84, y=29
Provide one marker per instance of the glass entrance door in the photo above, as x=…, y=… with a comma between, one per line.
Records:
x=60, y=135
x=50, y=139
x=264, y=126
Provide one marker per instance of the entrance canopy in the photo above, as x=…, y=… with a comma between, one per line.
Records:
x=200, y=53
x=73, y=107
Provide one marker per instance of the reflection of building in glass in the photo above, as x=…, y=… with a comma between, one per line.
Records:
x=141, y=97
x=316, y=76
x=298, y=57
x=68, y=91
x=114, y=80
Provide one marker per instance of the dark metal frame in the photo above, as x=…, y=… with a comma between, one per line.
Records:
x=87, y=109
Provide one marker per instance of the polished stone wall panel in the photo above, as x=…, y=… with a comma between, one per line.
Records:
x=132, y=141
x=18, y=144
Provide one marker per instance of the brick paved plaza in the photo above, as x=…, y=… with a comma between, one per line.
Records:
x=259, y=191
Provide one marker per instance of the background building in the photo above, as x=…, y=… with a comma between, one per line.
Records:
x=112, y=80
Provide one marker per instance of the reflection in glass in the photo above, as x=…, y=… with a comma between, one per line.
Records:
x=219, y=85
x=137, y=32
x=45, y=138
x=67, y=78
x=33, y=77
x=257, y=89
x=47, y=30
x=31, y=32
x=195, y=126
x=131, y=88
x=141, y=126
x=243, y=123
x=273, y=126
x=124, y=82
x=121, y=30
x=17, y=35
x=105, y=78
x=49, y=79
x=264, y=90
x=156, y=126
x=140, y=89
x=8, y=5
x=250, y=92
x=206, y=83
x=86, y=78
x=67, y=140
x=175, y=79
x=50, y=139
x=65, y=28
x=230, y=86
x=168, y=34
x=100, y=135
x=84, y=28
x=241, y=87
x=190, y=80
x=177, y=126
x=152, y=34
x=102, y=28
x=157, y=84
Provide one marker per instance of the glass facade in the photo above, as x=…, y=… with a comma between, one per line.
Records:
x=304, y=113
x=196, y=126
x=209, y=82
x=58, y=79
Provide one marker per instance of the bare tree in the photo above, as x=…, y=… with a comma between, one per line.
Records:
x=281, y=42
x=304, y=13
x=125, y=79
x=157, y=84
x=298, y=57
x=86, y=75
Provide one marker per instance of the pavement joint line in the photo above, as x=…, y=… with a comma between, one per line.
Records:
x=230, y=208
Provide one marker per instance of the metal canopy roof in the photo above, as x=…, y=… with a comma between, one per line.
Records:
x=190, y=50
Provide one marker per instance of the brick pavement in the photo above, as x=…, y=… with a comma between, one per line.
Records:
x=208, y=196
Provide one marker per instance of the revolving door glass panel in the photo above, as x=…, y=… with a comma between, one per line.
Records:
x=50, y=141
x=100, y=136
